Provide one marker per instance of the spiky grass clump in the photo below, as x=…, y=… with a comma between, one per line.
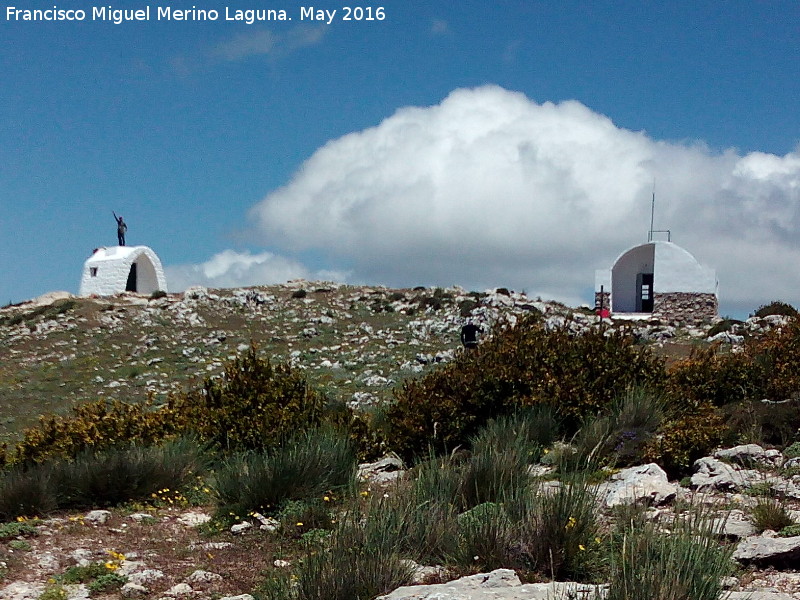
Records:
x=686, y=563
x=362, y=559
x=618, y=437
x=306, y=467
x=557, y=530
x=99, y=478
x=26, y=493
x=769, y=513
x=119, y=475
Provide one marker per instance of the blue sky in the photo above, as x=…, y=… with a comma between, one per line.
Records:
x=246, y=154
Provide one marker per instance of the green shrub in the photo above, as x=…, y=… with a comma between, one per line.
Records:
x=308, y=466
x=792, y=451
x=421, y=514
x=708, y=377
x=502, y=451
x=519, y=366
x=790, y=531
x=778, y=355
x=683, y=439
x=253, y=405
x=685, y=563
x=95, y=425
x=54, y=591
x=776, y=307
x=485, y=535
x=299, y=517
x=83, y=573
x=98, y=478
x=15, y=529
x=106, y=583
x=158, y=294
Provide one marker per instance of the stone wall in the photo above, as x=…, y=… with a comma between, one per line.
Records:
x=685, y=307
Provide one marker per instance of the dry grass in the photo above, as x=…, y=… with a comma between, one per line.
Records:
x=162, y=543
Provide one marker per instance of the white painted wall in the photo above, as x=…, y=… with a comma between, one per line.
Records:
x=679, y=271
x=624, y=291
x=105, y=273
x=674, y=270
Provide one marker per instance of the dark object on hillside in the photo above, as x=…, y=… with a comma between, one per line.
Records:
x=469, y=335
x=121, y=229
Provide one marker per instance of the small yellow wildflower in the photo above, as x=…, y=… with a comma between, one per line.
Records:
x=570, y=523
x=597, y=540
x=581, y=547
x=299, y=523
x=365, y=493
x=327, y=498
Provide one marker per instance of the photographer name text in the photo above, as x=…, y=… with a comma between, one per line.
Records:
x=118, y=16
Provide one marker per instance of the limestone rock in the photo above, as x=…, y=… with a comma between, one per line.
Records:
x=193, y=518
x=711, y=473
x=240, y=528
x=768, y=551
x=133, y=590
x=199, y=577
x=97, y=517
x=501, y=584
x=384, y=470
x=21, y=590
x=735, y=525
x=420, y=573
x=749, y=454
x=180, y=589
x=646, y=483
x=145, y=577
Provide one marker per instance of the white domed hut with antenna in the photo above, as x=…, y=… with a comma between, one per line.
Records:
x=116, y=269
x=658, y=279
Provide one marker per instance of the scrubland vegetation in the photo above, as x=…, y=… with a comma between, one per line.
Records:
x=264, y=443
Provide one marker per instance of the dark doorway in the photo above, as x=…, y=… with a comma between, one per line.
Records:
x=130, y=286
x=644, y=286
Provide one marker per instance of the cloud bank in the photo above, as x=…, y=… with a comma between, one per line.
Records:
x=489, y=188
x=238, y=269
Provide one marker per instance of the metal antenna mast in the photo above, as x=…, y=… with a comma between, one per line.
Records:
x=652, y=212
x=652, y=216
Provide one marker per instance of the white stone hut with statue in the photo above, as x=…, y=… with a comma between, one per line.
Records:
x=658, y=279
x=116, y=269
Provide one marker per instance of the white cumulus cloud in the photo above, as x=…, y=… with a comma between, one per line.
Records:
x=238, y=269
x=490, y=188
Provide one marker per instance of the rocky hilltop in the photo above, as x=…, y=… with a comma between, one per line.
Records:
x=355, y=343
